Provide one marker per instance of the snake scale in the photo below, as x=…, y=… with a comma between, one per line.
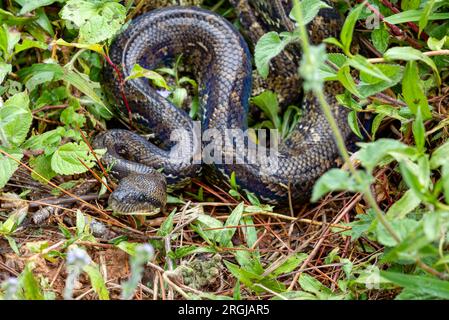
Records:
x=221, y=60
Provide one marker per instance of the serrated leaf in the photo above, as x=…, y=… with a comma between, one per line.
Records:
x=8, y=166
x=15, y=120
x=268, y=47
x=98, y=20
x=66, y=159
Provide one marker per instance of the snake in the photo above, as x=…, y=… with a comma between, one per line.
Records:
x=221, y=60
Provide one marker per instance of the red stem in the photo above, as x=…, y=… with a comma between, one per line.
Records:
x=122, y=91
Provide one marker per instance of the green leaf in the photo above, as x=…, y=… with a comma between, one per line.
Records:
x=29, y=285
x=413, y=92
x=435, y=44
x=167, y=226
x=137, y=72
x=414, y=16
x=361, y=63
x=347, y=30
x=423, y=284
x=419, y=131
x=402, y=228
x=345, y=78
x=339, y=180
x=267, y=101
x=310, y=9
x=28, y=44
x=15, y=120
x=411, y=54
x=8, y=166
x=354, y=124
x=39, y=73
x=406, y=204
x=445, y=179
x=371, y=154
x=9, y=37
x=98, y=20
x=30, y=5
x=380, y=38
x=233, y=220
x=268, y=47
x=5, y=68
x=424, y=19
x=440, y=156
x=82, y=82
x=290, y=264
x=66, y=159
x=97, y=281
x=369, y=85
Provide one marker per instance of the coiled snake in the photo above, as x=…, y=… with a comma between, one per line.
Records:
x=221, y=61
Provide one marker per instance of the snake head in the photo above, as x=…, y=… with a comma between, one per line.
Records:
x=139, y=193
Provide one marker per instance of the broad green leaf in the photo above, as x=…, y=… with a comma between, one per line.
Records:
x=425, y=284
x=369, y=85
x=435, y=44
x=9, y=37
x=339, y=180
x=268, y=47
x=8, y=166
x=402, y=228
x=310, y=9
x=267, y=102
x=66, y=159
x=98, y=20
x=15, y=120
x=371, y=154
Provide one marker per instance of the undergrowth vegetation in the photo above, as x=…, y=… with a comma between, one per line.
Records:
x=377, y=228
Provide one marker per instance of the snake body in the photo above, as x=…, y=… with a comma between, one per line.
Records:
x=221, y=61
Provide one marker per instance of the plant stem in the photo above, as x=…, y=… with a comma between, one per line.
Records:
x=301, y=29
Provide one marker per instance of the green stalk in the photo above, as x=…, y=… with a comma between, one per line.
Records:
x=301, y=29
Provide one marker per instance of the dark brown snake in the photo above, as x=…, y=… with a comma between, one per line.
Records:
x=221, y=61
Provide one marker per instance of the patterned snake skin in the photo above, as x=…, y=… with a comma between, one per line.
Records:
x=221, y=61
